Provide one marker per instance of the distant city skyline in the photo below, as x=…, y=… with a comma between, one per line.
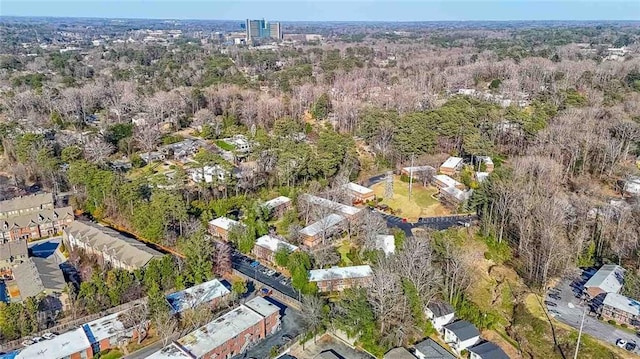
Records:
x=331, y=10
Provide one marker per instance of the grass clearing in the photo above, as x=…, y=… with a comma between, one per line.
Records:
x=344, y=249
x=421, y=204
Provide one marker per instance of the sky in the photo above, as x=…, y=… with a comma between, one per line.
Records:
x=331, y=10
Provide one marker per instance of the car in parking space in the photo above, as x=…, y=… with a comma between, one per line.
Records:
x=284, y=281
x=554, y=296
x=48, y=336
x=255, y=264
x=621, y=343
x=286, y=338
x=550, y=303
x=270, y=272
x=631, y=346
x=555, y=313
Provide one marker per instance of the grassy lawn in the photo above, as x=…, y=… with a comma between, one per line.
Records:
x=344, y=249
x=225, y=146
x=421, y=204
x=522, y=328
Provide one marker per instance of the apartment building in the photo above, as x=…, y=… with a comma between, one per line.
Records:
x=70, y=345
x=451, y=166
x=358, y=193
x=608, y=279
x=32, y=217
x=318, y=232
x=267, y=246
x=623, y=310
x=210, y=293
x=278, y=206
x=341, y=278
x=221, y=226
x=110, y=246
x=228, y=335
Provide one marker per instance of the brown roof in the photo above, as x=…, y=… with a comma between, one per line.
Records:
x=23, y=202
x=34, y=219
x=106, y=240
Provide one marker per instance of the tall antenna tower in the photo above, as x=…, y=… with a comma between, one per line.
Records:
x=388, y=188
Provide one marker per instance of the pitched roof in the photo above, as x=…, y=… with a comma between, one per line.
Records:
x=196, y=295
x=609, y=278
x=432, y=350
x=488, y=350
x=440, y=308
x=36, y=218
x=24, y=202
x=50, y=273
x=127, y=250
x=463, y=329
x=26, y=282
x=13, y=249
x=622, y=303
x=317, y=275
x=399, y=353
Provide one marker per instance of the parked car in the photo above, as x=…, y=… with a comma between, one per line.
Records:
x=27, y=342
x=254, y=264
x=286, y=338
x=550, y=303
x=284, y=281
x=630, y=346
x=621, y=343
x=554, y=296
x=48, y=336
x=265, y=292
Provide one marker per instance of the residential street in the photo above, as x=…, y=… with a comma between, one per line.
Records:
x=572, y=316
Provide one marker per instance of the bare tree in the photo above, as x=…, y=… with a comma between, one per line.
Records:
x=98, y=150
x=137, y=318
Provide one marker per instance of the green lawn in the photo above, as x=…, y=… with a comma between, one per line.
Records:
x=344, y=249
x=421, y=204
x=225, y=146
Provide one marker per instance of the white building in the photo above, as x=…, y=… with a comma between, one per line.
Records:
x=209, y=174
x=440, y=314
x=461, y=335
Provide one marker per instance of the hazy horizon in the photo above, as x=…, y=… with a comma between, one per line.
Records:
x=331, y=11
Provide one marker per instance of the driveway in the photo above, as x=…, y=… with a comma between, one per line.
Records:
x=291, y=324
x=569, y=291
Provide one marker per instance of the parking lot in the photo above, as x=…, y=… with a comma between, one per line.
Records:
x=563, y=302
x=263, y=274
x=291, y=325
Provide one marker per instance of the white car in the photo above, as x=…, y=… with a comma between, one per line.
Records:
x=48, y=336
x=621, y=343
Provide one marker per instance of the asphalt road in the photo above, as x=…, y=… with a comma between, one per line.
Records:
x=242, y=264
x=291, y=324
x=437, y=223
x=572, y=316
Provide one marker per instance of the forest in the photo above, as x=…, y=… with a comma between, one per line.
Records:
x=558, y=114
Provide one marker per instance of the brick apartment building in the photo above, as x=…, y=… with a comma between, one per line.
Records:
x=221, y=226
x=228, y=335
x=340, y=278
x=267, y=246
x=32, y=217
x=608, y=279
x=278, y=206
x=623, y=310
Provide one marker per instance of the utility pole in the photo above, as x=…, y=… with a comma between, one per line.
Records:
x=411, y=177
x=584, y=313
